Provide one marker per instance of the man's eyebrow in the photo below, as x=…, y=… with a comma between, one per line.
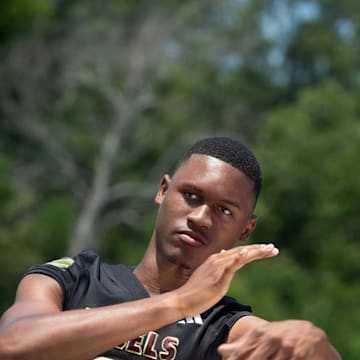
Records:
x=198, y=190
x=193, y=187
x=231, y=202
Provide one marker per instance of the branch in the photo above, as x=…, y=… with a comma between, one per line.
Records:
x=145, y=53
x=23, y=96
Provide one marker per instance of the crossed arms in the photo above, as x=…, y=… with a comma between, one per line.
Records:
x=35, y=327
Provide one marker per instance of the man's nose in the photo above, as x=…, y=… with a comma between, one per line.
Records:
x=201, y=215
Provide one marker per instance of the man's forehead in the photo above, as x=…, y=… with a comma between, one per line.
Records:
x=204, y=162
x=216, y=178
x=201, y=167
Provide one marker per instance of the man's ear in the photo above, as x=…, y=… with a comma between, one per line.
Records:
x=164, y=185
x=249, y=228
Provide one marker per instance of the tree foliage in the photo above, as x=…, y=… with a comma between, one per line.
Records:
x=98, y=100
x=310, y=200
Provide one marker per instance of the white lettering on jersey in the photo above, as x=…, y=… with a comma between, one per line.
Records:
x=192, y=320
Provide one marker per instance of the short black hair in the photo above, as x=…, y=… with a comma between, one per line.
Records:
x=232, y=152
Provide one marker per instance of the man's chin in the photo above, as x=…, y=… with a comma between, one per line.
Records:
x=178, y=261
x=182, y=257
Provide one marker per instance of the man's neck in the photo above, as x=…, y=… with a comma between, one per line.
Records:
x=159, y=275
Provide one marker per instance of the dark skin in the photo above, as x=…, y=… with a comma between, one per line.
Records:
x=205, y=211
x=217, y=214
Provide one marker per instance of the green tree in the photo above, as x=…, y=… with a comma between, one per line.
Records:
x=87, y=137
x=309, y=208
x=98, y=99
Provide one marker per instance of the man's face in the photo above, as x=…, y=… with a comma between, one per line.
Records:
x=204, y=208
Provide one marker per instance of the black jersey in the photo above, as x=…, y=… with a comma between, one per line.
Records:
x=87, y=282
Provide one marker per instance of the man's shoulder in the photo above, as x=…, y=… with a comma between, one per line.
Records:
x=85, y=259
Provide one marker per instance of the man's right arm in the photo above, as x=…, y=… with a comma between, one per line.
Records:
x=35, y=327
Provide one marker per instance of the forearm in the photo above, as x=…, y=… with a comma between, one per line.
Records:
x=82, y=334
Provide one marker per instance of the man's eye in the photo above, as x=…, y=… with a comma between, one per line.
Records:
x=190, y=195
x=225, y=210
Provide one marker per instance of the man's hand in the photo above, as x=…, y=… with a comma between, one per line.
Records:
x=211, y=280
x=280, y=340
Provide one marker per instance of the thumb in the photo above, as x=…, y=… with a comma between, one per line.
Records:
x=224, y=350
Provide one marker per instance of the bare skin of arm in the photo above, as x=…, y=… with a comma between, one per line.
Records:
x=35, y=327
x=252, y=338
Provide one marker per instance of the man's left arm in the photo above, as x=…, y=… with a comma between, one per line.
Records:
x=253, y=338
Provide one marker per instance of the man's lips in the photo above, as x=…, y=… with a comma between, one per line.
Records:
x=191, y=238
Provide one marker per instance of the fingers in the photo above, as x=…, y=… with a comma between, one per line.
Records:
x=260, y=251
x=243, y=255
x=263, y=250
x=234, y=259
x=255, y=349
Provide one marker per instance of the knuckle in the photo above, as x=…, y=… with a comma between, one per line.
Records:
x=213, y=260
x=320, y=336
x=299, y=354
x=317, y=333
x=276, y=341
x=288, y=349
x=213, y=257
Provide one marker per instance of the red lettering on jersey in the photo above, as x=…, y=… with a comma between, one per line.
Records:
x=169, y=345
x=134, y=346
x=149, y=346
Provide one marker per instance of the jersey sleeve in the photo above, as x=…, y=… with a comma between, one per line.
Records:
x=67, y=271
x=221, y=319
x=234, y=310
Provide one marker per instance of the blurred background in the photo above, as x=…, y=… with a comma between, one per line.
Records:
x=99, y=98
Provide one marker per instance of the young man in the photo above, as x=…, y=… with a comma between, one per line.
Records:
x=173, y=304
